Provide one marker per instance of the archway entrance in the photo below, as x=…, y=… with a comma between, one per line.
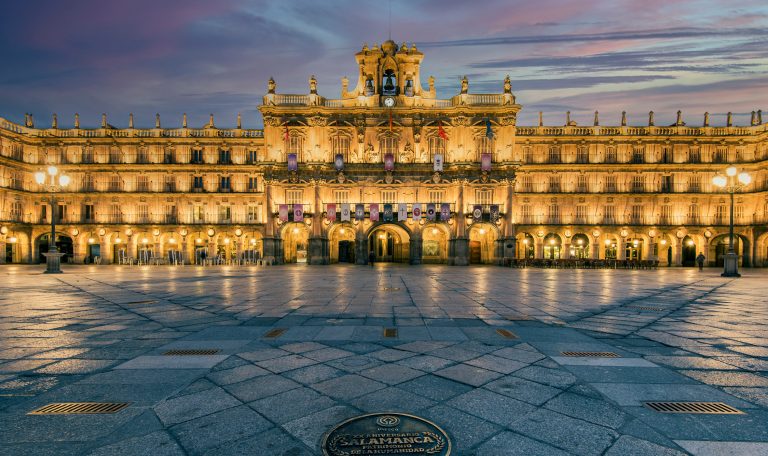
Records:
x=295, y=242
x=482, y=243
x=580, y=246
x=552, y=247
x=342, y=243
x=610, y=248
x=389, y=243
x=689, y=251
x=63, y=245
x=526, y=246
x=634, y=249
x=721, y=248
x=434, y=243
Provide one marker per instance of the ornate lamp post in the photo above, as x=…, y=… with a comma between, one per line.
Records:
x=731, y=182
x=53, y=257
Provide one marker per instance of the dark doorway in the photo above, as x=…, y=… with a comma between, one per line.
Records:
x=63, y=245
x=475, y=256
x=94, y=251
x=346, y=251
x=721, y=248
x=689, y=252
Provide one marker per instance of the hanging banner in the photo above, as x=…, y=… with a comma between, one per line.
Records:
x=402, y=212
x=283, y=211
x=345, y=212
x=293, y=164
x=494, y=212
x=359, y=212
x=438, y=163
x=374, y=212
x=298, y=212
x=485, y=162
x=388, y=215
x=477, y=212
x=445, y=212
x=416, y=212
x=339, y=162
x=389, y=162
x=331, y=212
x=431, y=211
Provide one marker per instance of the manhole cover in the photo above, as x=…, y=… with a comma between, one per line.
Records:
x=591, y=354
x=386, y=433
x=709, y=408
x=79, y=408
x=192, y=352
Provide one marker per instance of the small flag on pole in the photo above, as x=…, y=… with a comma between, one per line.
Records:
x=488, y=130
x=440, y=132
x=438, y=163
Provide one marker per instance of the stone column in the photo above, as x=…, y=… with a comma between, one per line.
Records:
x=539, y=248
x=416, y=245
x=105, y=252
x=596, y=249
x=318, y=244
x=130, y=247
x=567, y=251
x=678, y=256
x=270, y=242
x=621, y=249
x=509, y=247
x=460, y=244
x=361, y=245
x=2, y=251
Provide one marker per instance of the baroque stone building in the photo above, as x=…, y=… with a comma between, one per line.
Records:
x=386, y=168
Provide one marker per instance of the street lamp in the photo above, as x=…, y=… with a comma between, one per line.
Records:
x=732, y=182
x=53, y=257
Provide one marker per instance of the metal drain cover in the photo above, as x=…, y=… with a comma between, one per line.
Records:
x=649, y=308
x=390, y=332
x=507, y=334
x=591, y=354
x=711, y=408
x=192, y=352
x=79, y=408
x=390, y=289
x=277, y=332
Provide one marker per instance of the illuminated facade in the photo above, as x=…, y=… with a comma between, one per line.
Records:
x=572, y=191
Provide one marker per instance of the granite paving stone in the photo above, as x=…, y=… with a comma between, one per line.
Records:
x=348, y=386
x=512, y=444
x=466, y=431
x=291, y=404
x=185, y=408
x=260, y=387
x=577, y=436
x=471, y=375
x=207, y=432
x=490, y=406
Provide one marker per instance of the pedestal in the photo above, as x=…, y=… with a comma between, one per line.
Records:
x=53, y=262
x=415, y=247
x=459, y=248
x=730, y=265
x=272, y=250
x=318, y=251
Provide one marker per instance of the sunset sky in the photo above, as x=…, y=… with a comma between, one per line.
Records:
x=212, y=56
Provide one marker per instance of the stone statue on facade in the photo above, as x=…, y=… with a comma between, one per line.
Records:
x=370, y=152
x=271, y=85
x=464, y=85
x=312, y=84
x=507, y=85
x=406, y=156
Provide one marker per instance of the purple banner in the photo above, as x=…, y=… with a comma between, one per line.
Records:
x=485, y=162
x=331, y=212
x=445, y=212
x=374, y=212
x=283, y=211
x=298, y=212
x=431, y=211
x=293, y=164
x=389, y=162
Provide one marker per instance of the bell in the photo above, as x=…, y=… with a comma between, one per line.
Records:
x=389, y=86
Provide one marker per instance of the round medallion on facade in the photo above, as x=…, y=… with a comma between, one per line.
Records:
x=386, y=433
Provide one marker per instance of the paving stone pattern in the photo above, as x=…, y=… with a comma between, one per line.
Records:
x=99, y=334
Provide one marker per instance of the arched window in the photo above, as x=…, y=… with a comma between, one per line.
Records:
x=295, y=145
x=388, y=145
x=436, y=146
x=484, y=145
x=340, y=144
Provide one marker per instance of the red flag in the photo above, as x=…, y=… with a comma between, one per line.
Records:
x=285, y=135
x=440, y=132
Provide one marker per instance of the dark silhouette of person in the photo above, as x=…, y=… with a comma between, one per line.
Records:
x=700, y=261
x=371, y=258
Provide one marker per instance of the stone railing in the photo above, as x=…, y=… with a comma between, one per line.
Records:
x=639, y=131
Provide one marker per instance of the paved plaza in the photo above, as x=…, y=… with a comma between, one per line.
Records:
x=299, y=349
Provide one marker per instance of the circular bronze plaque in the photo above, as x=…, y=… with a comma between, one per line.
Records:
x=386, y=433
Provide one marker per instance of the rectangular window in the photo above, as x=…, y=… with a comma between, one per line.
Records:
x=582, y=154
x=340, y=145
x=224, y=183
x=554, y=184
x=16, y=211
x=197, y=156
x=554, y=213
x=694, y=184
x=225, y=214
x=638, y=154
x=610, y=184
x=721, y=215
x=114, y=155
x=554, y=154
x=581, y=214
x=168, y=157
x=170, y=184
x=484, y=196
x=720, y=155
x=693, y=214
x=528, y=154
x=637, y=215
x=525, y=214
x=252, y=157
x=115, y=214
x=341, y=196
x=610, y=154
x=738, y=214
x=484, y=145
x=295, y=145
x=666, y=184
x=694, y=156
x=115, y=184
x=389, y=196
x=254, y=213
x=638, y=183
x=88, y=185
x=436, y=146
x=294, y=196
x=609, y=214
x=44, y=212
x=198, y=214
x=666, y=215
x=225, y=157
x=142, y=214
x=197, y=183
x=582, y=186
x=170, y=214
x=436, y=196
x=89, y=215
x=253, y=184
x=142, y=184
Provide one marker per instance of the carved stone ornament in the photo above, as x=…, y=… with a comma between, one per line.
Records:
x=436, y=177
x=461, y=121
x=294, y=177
x=484, y=177
x=340, y=178
x=317, y=121
x=272, y=121
x=508, y=120
x=388, y=177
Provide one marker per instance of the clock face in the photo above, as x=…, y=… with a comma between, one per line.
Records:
x=389, y=102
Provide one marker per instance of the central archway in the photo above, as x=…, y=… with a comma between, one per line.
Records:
x=435, y=243
x=482, y=243
x=295, y=242
x=390, y=243
x=342, y=242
